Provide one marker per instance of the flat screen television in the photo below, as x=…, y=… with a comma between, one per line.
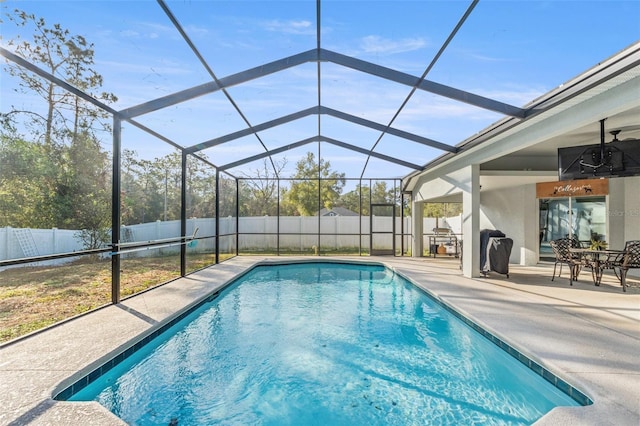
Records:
x=618, y=158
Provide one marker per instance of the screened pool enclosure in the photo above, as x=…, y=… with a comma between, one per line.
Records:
x=142, y=141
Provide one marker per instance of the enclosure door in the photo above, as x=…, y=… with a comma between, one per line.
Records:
x=383, y=229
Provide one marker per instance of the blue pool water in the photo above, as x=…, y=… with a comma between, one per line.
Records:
x=322, y=344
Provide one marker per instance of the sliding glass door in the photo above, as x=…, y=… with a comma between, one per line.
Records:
x=582, y=217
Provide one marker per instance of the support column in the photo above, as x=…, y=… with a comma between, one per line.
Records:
x=530, y=248
x=115, y=211
x=416, y=228
x=471, y=222
x=183, y=214
x=218, y=186
x=617, y=217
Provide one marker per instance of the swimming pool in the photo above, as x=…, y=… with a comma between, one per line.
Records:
x=321, y=343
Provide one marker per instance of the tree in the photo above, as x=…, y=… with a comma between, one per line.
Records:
x=69, y=58
x=93, y=221
x=314, y=181
x=383, y=195
x=56, y=175
x=89, y=185
x=442, y=209
x=227, y=201
x=259, y=190
x=24, y=191
x=131, y=194
x=379, y=195
x=150, y=188
x=351, y=200
x=201, y=188
x=166, y=180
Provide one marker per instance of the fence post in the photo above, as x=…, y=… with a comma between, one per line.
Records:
x=7, y=242
x=301, y=227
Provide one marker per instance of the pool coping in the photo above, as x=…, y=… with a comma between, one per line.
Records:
x=39, y=377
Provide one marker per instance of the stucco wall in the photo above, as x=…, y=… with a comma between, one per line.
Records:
x=514, y=212
x=631, y=213
x=511, y=209
x=632, y=208
x=623, y=210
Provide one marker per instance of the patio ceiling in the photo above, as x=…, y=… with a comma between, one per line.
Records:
x=380, y=93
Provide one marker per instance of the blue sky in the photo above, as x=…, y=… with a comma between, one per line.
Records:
x=511, y=51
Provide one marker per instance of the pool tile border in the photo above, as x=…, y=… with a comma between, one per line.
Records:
x=97, y=372
x=548, y=375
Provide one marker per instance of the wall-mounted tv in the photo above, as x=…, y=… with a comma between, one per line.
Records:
x=618, y=158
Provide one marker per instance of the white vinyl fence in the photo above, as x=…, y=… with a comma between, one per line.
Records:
x=257, y=233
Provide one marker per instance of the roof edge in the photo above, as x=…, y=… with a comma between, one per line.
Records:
x=616, y=64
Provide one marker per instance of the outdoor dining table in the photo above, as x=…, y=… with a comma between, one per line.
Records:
x=598, y=260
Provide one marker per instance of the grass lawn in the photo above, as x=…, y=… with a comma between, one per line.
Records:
x=34, y=297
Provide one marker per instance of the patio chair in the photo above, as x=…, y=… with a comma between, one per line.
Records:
x=563, y=255
x=630, y=259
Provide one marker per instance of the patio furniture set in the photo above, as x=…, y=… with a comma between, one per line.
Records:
x=572, y=252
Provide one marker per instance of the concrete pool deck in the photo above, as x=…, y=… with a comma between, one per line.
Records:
x=586, y=335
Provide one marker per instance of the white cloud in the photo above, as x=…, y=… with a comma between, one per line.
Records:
x=129, y=34
x=379, y=45
x=302, y=27
x=485, y=58
x=197, y=31
x=517, y=96
x=143, y=30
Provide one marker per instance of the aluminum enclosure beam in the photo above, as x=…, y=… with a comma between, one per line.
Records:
x=426, y=85
x=254, y=129
x=390, y=130
x=53, y=79
x=268, y=153
x=320, y=139
x=372, y=153
x=229, y=81
x=321, y=110
x=249, y=131
x=315, y=55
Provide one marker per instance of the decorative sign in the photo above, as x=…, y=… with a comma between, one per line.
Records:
x=572, y=188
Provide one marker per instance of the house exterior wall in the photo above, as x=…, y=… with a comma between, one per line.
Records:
x=632, y=209
x=616, y=209
x=623, y=211
x=513, y=211
x=631, y=214
x=465, y=183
